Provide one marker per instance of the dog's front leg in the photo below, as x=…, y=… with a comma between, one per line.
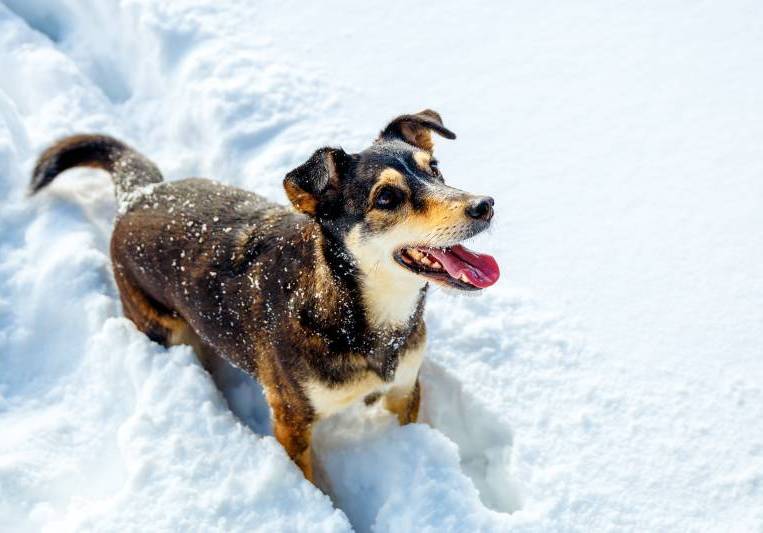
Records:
x=292, y=427
x=296, y=440
x=404, y=402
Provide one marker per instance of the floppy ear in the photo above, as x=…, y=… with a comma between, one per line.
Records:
x=317, y=176
x=417, y=129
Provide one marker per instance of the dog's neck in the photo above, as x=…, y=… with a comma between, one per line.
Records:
x=375, y=310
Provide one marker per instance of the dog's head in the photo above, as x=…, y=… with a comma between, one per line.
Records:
x=390, y=207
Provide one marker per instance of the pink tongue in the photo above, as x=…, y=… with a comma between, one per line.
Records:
x=480, y=269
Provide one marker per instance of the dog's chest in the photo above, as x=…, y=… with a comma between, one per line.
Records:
x=327, y=400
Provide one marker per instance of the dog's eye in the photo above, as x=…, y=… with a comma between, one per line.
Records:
x=388, y=198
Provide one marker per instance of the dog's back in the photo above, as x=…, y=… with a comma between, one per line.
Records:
x=206, y=251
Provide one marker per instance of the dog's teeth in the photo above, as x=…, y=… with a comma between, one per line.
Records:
x=413, y=252
x=436, y=265
x=425, y=261
x=463, y=277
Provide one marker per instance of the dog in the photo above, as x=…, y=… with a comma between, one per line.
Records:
x=323, y=302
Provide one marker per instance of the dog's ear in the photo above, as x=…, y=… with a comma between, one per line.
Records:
x=417, y=129
x=318, y=176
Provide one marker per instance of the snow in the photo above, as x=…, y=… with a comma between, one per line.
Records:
x=610, y=381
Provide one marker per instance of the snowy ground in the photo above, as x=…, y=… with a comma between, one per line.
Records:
x=611, y=381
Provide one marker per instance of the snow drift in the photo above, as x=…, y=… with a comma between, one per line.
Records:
x=526, y=427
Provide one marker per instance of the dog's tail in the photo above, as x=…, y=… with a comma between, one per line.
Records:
x=128, y=168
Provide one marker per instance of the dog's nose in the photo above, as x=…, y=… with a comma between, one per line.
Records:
x=481, y=209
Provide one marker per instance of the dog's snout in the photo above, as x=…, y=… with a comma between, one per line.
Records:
x=481, y=208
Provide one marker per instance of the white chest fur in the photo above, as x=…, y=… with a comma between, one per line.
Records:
x=327, y=401
x=390, y=293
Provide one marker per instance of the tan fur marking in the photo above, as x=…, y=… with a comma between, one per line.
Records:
x=301, y=199
x=390, y=176
x=440, y=212
x=292, y=425
x=138, y=308
x=423, y=159
x=186, y=336
x=296, y=441
x=406, y=407
x=418, y=136
x=305, y=463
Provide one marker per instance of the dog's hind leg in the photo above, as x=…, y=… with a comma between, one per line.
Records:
x=159, y=324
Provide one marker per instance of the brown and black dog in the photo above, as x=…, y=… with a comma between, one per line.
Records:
x=323, y=304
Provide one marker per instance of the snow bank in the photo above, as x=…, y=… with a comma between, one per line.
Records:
x=527, y=427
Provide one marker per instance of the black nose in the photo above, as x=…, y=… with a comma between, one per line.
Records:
x=481, y=209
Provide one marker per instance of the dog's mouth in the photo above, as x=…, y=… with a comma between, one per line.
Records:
x=455, y=266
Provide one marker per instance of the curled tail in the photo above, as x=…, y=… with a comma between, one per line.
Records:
x=129, y=169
